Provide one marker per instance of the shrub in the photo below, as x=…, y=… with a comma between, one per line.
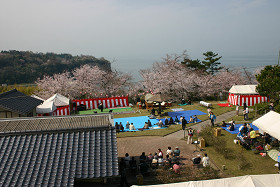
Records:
x=262, y=108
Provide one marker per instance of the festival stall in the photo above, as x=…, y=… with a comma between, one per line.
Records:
x=269, y=123
x=240, y=94
x=57, y=105
x=110, y=102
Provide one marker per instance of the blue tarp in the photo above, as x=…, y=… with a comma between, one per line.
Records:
x=139, y=122
x=237, y=126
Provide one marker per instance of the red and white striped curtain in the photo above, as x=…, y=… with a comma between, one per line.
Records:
x=60, y=111
x=250, y=100
x=107, y=102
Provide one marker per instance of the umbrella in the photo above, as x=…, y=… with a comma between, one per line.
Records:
x=159, y=98
x=148, y=96
x=273, y=153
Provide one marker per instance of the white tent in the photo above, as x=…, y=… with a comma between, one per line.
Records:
x=243, y=89
x=37, y=97
x=269, y=123
x=46, y=107
x=59, y=100
x=240, y=94
x=248, y=181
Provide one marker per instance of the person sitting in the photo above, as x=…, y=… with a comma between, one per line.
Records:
x=191, y=120
x=171, y=122
x=205, y=160
x=166, y=122
x=117, y=126
x=183, y=101
x=232, y=126
x=169, y=151
x=189, y=102
x=146, y=126
x=127, y=159
x=127, y=125
x=154, y=163
x=131, y=127
x=224, y=124
x=121, y=127
x=133, y=166
x=176, y=168
x=176, y=120
x=160, y=123
x=149, y=123
x=177, y=151
x=152, y=116
x=150, y=158
x=143, y=167
x=195, y=119
x=244, y=130
x=143, y=157
x=196, y=160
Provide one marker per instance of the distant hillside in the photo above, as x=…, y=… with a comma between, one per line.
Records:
x=18, y=67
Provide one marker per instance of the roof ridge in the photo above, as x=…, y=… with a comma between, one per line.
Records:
x=8, y=92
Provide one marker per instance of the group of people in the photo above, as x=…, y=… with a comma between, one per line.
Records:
x=169, y=159
x=197, y=160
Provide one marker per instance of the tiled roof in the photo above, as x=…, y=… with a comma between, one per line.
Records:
x=50, y=123
x=57, y=158
x=18, y=102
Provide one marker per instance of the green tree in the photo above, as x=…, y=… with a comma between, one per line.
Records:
x=194, y=64
x=211, y=62
x=269, y=80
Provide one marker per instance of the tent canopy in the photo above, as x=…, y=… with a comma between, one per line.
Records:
x=248, y=181
x=59, y=100
x=269, y=123
x=244, y=89
x=46, y=107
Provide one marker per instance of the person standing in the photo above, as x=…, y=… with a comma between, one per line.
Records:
x=101, y=106
x=237, y=109
x=245, y=113
x=190, y=135
x=212, y=119
x=184, y=123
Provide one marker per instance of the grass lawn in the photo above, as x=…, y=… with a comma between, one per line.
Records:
x=173, y=128
x=257, y=163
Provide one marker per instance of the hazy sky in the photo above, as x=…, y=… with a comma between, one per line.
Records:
x=138, y=33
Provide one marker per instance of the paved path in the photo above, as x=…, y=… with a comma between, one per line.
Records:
x=150, y=144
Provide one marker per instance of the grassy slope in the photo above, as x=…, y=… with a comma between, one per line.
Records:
x=259, y=164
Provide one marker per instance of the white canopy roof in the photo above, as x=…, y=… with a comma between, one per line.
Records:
x=269, y=123
x=244, y=89
x=59, y=100
x=248, y=181
x=37, y=97
x=46, y=107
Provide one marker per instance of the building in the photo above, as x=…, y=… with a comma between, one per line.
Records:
x=55, y=151
x=16, y=104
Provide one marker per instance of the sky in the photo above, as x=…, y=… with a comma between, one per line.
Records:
x=135, y=34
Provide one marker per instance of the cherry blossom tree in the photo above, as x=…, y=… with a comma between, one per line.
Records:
x=85, y=82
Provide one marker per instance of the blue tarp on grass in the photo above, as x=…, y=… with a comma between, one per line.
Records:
x=237, y=126
x=138, y=122
x=187, y=114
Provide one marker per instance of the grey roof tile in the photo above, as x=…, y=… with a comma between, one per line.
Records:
x=18, y=102
x=56, y=158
